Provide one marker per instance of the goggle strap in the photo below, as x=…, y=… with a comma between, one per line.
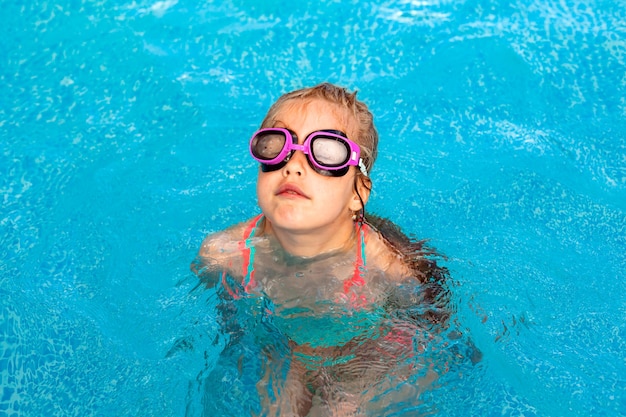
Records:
x=362, y=167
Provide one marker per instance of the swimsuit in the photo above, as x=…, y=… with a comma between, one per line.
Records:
x=248, y=252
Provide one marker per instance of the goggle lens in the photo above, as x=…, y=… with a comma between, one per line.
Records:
x=267, y=145
x=329, y=152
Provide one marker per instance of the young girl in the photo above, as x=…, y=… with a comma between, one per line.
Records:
x=345, y=295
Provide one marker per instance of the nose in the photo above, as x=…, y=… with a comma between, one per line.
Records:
x=296, y=164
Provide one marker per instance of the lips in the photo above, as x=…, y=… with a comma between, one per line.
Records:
x=290, y=190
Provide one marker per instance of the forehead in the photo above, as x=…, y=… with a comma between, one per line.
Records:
x=313, y=114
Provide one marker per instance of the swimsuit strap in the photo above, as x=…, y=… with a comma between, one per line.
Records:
x=360, y=261
x=248, y=252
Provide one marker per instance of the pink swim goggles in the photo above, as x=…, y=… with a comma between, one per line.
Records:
x=329, y=152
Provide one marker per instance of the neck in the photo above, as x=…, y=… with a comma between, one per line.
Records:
x=309, y=243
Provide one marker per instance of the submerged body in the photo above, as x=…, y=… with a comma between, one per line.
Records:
x=350, y=320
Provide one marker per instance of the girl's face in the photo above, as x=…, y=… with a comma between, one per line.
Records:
x=295, y=198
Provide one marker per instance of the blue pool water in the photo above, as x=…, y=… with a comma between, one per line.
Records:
x=123, y=129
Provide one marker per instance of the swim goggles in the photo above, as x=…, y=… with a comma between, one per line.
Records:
x=329, y=152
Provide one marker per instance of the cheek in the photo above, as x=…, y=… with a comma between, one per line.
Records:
x=262, y=186
x=336, y=193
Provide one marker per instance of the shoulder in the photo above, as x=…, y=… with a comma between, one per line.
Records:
x=222, y=250
x=218, y=244
x=382, y=256
x=399, y=256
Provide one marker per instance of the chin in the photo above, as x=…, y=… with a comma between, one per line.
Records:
x=290, y=220
x=290, y=223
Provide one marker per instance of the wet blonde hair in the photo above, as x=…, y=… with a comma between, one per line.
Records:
x=367, y=136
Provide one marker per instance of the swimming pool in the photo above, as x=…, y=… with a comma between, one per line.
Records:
x=123, y=129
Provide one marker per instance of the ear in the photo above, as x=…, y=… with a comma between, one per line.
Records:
x=361, y=193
